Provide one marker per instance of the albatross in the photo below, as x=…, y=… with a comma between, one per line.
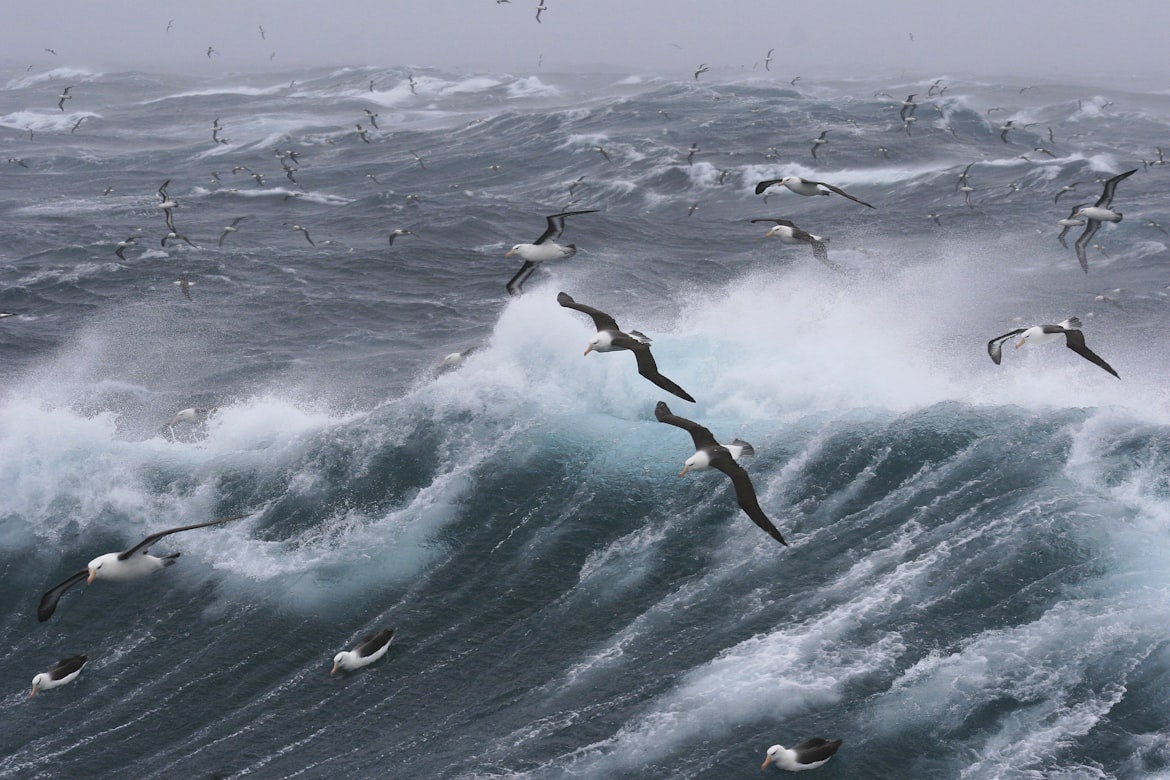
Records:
x=611, y=338
x=368, y=650
x=789, y=233
x=807, y=755
x=64, y=671
x=126, y=566
x=542, y=249
x=1074, y=339
x=709, y=453
x=1099, y=212
x=807, y=187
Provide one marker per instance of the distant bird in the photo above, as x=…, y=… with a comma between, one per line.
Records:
x=1074, y=339
x=361, y=131
x=364, y=653
x=398, y=232
x=1008, y=125
x=540, y=9
x=933, y=87
x=262, y=35
x=126, y=566
x=184, y=285
x=604, y=153
x=18, y=161
x=789, y=233
x=937, y=218
x=1042, y=150
x=542, y=249
x=418, y=159
x=794, y=80
x=229, y=229
x=167, y=204
x=908, y=107
x=884, y=152
x=1069, y=222
x=120, y=249
x=304, y=231
x=699, y=71
x=373, y=117
x=768, y=60
x=1099, y=212
x=63, y=97
x=611, y=338
x=170, y=23
x=691, y=152
x=190, y=416
x=807, y=187
x=661, y=111
x=414, y=84
x=176, y=236
x=77, y=124
x=575, y=184
x=819, y=140
x=709, y=453
x=807, y=755
x=211, y=51
x=64, y=671
x=50, y=51
x=1064, y=189
x=692, y=208
x=1153, y=224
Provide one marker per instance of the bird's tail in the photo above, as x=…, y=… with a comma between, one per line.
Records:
x=170, y=559
x=745, y=448
x=1073, y=323
x=572, y=250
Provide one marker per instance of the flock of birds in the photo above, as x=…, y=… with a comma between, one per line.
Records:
x=137, y=562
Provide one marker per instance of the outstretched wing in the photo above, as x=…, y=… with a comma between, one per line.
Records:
x=763, y=185
x=745, y=495
x=1091, y=226
x=700, y=435
x=776, y=220
x=995, y=346
x=145, y=544
x=1075, y=340
x=516, y=283
x=649, y=369
x=600, y=319
x=841, y=192
x=556, y=224
x=49, y=601
x=1111, y=185
x=374, y=642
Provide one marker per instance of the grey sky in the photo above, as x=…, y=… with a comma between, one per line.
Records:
x=1040, y=38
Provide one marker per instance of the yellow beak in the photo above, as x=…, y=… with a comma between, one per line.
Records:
x=92, y=576
x=1019, y=343
x=335, y=667
x=509, y=253
x=684, y=471
x=588, y=349
x=767, y=763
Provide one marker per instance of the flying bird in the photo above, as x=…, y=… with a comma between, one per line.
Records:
x=1074, y=339
x=807, y=187
x=711, y=454
x=542, y=249
x=807, y=755
x=305, y=232
x=364, y=653
x=1069, y=222
x=229, y=229
x=820, y=139
x=699, y=71
x=132, y=564
x=63, y=97
x=120, y=249
x=396, y=232
x=1099, y=212
x=768, y=60
x=611, y=338
x=789, y=233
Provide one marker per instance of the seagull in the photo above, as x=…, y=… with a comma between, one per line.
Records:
x=1097, y=213
x=611, y=338
x=699, y=71
x=364, y=653
x=396, y=232
x=306, y=232
x=768, y=60
x=820, y=139
x=1070, y=222
x=711, y=454
x=64, y=671
x=132, y=564
x=807, y=755
x=806, y=187
x=789, y=233
x=230, y=229
x=542, y=249
x=120, y=249
x=63, y=97
x=185, y=286
x=1074, y=339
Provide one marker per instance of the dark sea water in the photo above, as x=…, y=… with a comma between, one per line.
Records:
x=978, y=578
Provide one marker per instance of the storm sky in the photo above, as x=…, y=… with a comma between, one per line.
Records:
x=1037, y=38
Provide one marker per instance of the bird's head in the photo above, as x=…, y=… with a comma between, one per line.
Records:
x=37, y=682
x=773, y=751
x=512, y=251
x=337, y=659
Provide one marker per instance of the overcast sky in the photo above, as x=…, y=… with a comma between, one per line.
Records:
x=1038, y=38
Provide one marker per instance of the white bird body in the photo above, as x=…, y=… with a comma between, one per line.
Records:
x=539, y=253
x=370, y=649
x=110, y=569
x=1099, y=213
x=65, y=671
x=809, y=754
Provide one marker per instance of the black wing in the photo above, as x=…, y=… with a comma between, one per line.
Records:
x=145, y=544
x=649, y=369
x=516, y=283
x=841, y=192
x=556, y=224
x=49, y=601
x=765, y=184
x=745, y=494
x=1091, y=226
x=700, y=435
x=1111, y=185
x=776, y=220
x=162, y=191
x=67, y=666
x=816, y=749
x=995, y=346
x=374, y=642
x=1075, y=340
x=600, y=319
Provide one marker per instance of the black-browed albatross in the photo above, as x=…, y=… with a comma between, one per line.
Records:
x=807, y=187
x=542, y=249
x=1074, y=339
x=132, y=564
x=611, y=338
x=64, y=671
x=788, y=233
x=709, y=453
x=368, y=650
x=807, y=755
x=1097, y=213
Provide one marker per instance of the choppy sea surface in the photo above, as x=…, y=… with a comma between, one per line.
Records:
x=978, y=582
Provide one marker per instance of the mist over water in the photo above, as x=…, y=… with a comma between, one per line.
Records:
x=976, y=584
